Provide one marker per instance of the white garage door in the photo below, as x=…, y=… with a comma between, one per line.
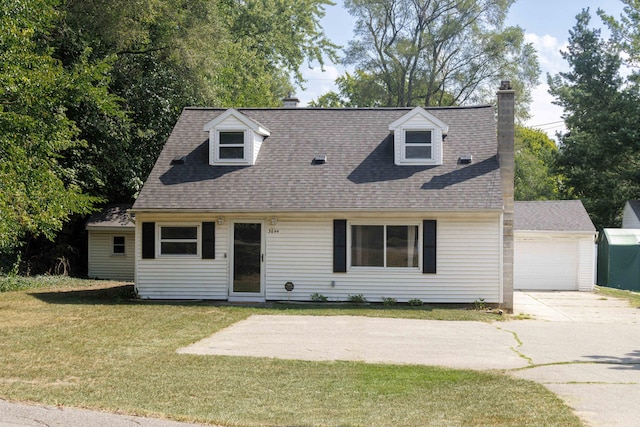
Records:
x=546, y=265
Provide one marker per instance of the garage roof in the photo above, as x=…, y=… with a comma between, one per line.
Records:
x=552, y=215
x=112, y=216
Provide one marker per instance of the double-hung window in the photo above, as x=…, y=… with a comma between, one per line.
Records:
x=179, y=240
x=384, y=246
x=231, y=145
x=418, y=145
x=118, y=245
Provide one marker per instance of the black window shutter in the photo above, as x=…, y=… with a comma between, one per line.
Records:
x=148, y=240
x=208, y=240
x=339, y=245
x=429, y=246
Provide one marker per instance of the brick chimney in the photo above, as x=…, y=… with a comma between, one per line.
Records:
x=506, y=136
x=290, y=101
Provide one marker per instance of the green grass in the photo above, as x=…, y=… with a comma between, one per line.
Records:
x=84, y=344
x=632, y=297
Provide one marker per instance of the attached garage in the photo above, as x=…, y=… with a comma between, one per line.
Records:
x=554, y=246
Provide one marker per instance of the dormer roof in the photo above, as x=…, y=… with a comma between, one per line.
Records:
x=247, y=121
x=419, y=112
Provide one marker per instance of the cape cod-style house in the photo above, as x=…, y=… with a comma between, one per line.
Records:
x=409, y=203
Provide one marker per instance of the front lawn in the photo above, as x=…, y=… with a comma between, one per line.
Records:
x=85, y=344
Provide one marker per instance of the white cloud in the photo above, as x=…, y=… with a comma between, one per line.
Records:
x=548, y=48
x=319, y=80
x=544, y=114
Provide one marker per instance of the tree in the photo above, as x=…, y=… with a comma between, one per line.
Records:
x=90, y=90
x=427, y=52
x=358, y=90
x=535, y=178
x=166, y=55
x=600, y=153
x=39, y=193
x=626, y=31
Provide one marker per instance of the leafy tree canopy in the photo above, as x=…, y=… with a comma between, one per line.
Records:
x=90, y=90
x=39, y=193
x=535, y=154
x=429, y=53
x=600, y=153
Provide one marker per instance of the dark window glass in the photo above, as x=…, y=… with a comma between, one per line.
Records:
x=372, y=244
x=179, y=248
x=179, y=240
x=118, y=244
x=179, y=233
x=231, y=138
x=419, y=152
x=367, y=245
x=402, y=246
x=417, y=144
x=418, y=137
x=232, y=152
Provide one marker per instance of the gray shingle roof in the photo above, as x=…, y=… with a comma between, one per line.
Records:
x=111, y=216
x=552, y=215
x=359, y=173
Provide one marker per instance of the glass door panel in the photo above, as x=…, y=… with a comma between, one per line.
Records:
x=247, y=254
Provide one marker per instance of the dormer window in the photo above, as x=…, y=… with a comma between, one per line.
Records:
x=417, y=138
x=418, y=145
x=230, y=145
x=234, y=139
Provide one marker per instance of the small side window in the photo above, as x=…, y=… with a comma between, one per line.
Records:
x=118, y=246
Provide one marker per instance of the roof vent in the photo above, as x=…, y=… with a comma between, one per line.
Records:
x=465, y=159
x=178, y=160
x=320, y=160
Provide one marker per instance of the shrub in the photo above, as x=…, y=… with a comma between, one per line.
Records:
x=317, y=297
x=389, y=301
x=415, y=302
x=357, y=299
x=479, y=304
x=14, y=282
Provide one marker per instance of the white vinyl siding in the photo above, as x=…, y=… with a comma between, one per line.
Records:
x=103, y=263
x=182, y=277
x=468, y=254
x=300, y=250
x=586, y=263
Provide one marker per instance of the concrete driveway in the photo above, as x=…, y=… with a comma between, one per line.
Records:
x=583, y=347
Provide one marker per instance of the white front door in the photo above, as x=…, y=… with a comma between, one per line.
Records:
x=247, y=261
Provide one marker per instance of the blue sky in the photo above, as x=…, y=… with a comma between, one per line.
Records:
x=546, y=24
